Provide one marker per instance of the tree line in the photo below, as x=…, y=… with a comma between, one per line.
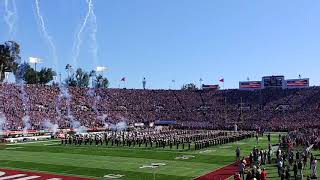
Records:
x=10, y=61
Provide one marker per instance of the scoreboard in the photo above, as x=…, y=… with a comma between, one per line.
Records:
x=273, y=82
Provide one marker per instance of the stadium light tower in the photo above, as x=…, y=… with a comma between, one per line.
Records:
x=35, y=61
x=101, y=69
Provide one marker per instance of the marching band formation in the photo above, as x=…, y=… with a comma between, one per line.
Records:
x=173, y=139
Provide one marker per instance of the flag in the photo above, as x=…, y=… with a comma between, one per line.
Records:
x=298, y=83
x=221, y=80
x=123, y=79
x=250, y=85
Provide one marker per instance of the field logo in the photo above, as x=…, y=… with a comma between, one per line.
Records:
x=207, y=151
x=113, y=176
x=185, y=157
x=152, y=165
x=225, y=147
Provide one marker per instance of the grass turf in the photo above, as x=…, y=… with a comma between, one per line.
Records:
x=97, y=161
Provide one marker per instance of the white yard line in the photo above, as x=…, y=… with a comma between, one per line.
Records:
x=31, y=142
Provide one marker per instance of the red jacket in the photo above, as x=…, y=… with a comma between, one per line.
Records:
x=263, y=175
x=237, y=177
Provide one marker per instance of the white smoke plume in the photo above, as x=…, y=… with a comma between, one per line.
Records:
x=77, y=126
x=64, y=93
x=78, y=37
x=11, y=16
x=3, y=121
x=26, y=123
x=24, y=98
x=50, y=126
x=45, y=34
x=121, y=126
x=93, y=35
x=103, y=119
x=82, y=129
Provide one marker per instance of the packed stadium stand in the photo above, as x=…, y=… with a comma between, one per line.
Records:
x=274, y=109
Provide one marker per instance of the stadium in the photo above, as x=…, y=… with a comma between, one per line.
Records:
x=74, y=119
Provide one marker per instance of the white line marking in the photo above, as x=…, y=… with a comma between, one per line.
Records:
x=13, y=176
x=49, y=144
x=27, y=178
x=14, y=148
x=30, y=142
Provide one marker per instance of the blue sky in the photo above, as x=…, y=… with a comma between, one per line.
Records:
x=184, y=40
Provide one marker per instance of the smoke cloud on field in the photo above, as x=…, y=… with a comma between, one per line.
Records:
x=50, y=126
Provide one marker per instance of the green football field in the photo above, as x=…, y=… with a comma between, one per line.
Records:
x=98, y=161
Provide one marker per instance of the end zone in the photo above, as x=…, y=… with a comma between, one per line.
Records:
x=23, y=175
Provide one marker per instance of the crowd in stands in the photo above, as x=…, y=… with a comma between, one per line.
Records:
x=293, y=157
x=272, y=109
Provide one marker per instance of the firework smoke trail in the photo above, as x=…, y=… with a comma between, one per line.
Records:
x=25, y=101
x=78, y=40
x=46, y=35
x=52, y=47
x=93, y=35
x=94, y=51
x=93, y=28
x=11, y=16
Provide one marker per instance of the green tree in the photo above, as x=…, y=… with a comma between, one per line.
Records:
x=190, y=86
x=26, y=73
x=30, y=76
x=9, y=58
x=102, y=82
x=80, y=78
x=70, y=81
x=45, y=75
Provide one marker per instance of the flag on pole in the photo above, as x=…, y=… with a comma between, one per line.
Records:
x=222, y=80
x=123, y=79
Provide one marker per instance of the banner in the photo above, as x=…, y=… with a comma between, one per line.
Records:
x=213, y=87
x=250, y=85
x=297, y=83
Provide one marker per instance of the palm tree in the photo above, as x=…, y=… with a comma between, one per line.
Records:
x=93, y=75
x=68, y=68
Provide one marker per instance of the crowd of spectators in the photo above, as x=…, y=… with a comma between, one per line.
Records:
x=271, y=109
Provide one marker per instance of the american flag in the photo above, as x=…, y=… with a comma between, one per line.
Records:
x=250, y=85
x=298, y=82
